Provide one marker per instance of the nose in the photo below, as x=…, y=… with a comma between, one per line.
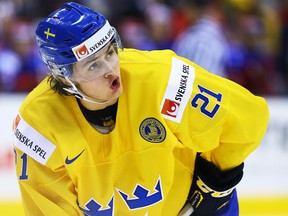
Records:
x=108, y=73
x=110, y=69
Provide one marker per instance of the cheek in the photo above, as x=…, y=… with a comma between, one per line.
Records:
x=91, y=88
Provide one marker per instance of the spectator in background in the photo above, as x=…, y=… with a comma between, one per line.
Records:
x=158, y=18
x=32, y=69
x=283, y=52
x=253, y=47
x=135, y=33
x=132, y=24
x=21, y=66
x=9, y=67
x=154, y=24
x=9, y=62
x=148, y=27
x=204, y=41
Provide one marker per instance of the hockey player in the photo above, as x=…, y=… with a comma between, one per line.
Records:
x=116, y=131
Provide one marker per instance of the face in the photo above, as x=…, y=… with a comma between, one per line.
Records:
x=98, y=76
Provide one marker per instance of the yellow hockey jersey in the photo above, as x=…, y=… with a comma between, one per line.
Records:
x=170, y=109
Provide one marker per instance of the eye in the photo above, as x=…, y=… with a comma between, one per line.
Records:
x=94, y=66
x=110, y=53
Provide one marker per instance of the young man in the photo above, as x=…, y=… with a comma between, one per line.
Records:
x=146, y=134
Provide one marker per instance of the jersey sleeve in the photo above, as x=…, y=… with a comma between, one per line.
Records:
x=221, y=119
x=44, y=191
x=45, y=185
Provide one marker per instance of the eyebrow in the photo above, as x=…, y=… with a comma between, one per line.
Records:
x=89, y=61
x=94, y=59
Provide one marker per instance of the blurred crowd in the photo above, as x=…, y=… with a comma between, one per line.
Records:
x=243, y=40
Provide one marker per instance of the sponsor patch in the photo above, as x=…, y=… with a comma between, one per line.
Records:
x=31, y=141
x=152, y=130
x=178, y=91
x=170, y=108
x=94, y=43
x=82, y=52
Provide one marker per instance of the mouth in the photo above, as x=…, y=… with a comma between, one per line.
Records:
x=115, y=84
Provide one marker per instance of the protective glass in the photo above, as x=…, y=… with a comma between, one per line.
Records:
x=95, y=66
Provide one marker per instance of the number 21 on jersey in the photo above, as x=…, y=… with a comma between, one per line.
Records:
x=204, y=96
x=24, y=161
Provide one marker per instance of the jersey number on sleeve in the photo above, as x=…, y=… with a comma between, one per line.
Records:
x=24, y=160
x=203, y=95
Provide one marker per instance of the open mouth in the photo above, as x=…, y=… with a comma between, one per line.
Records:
x=115, y=83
